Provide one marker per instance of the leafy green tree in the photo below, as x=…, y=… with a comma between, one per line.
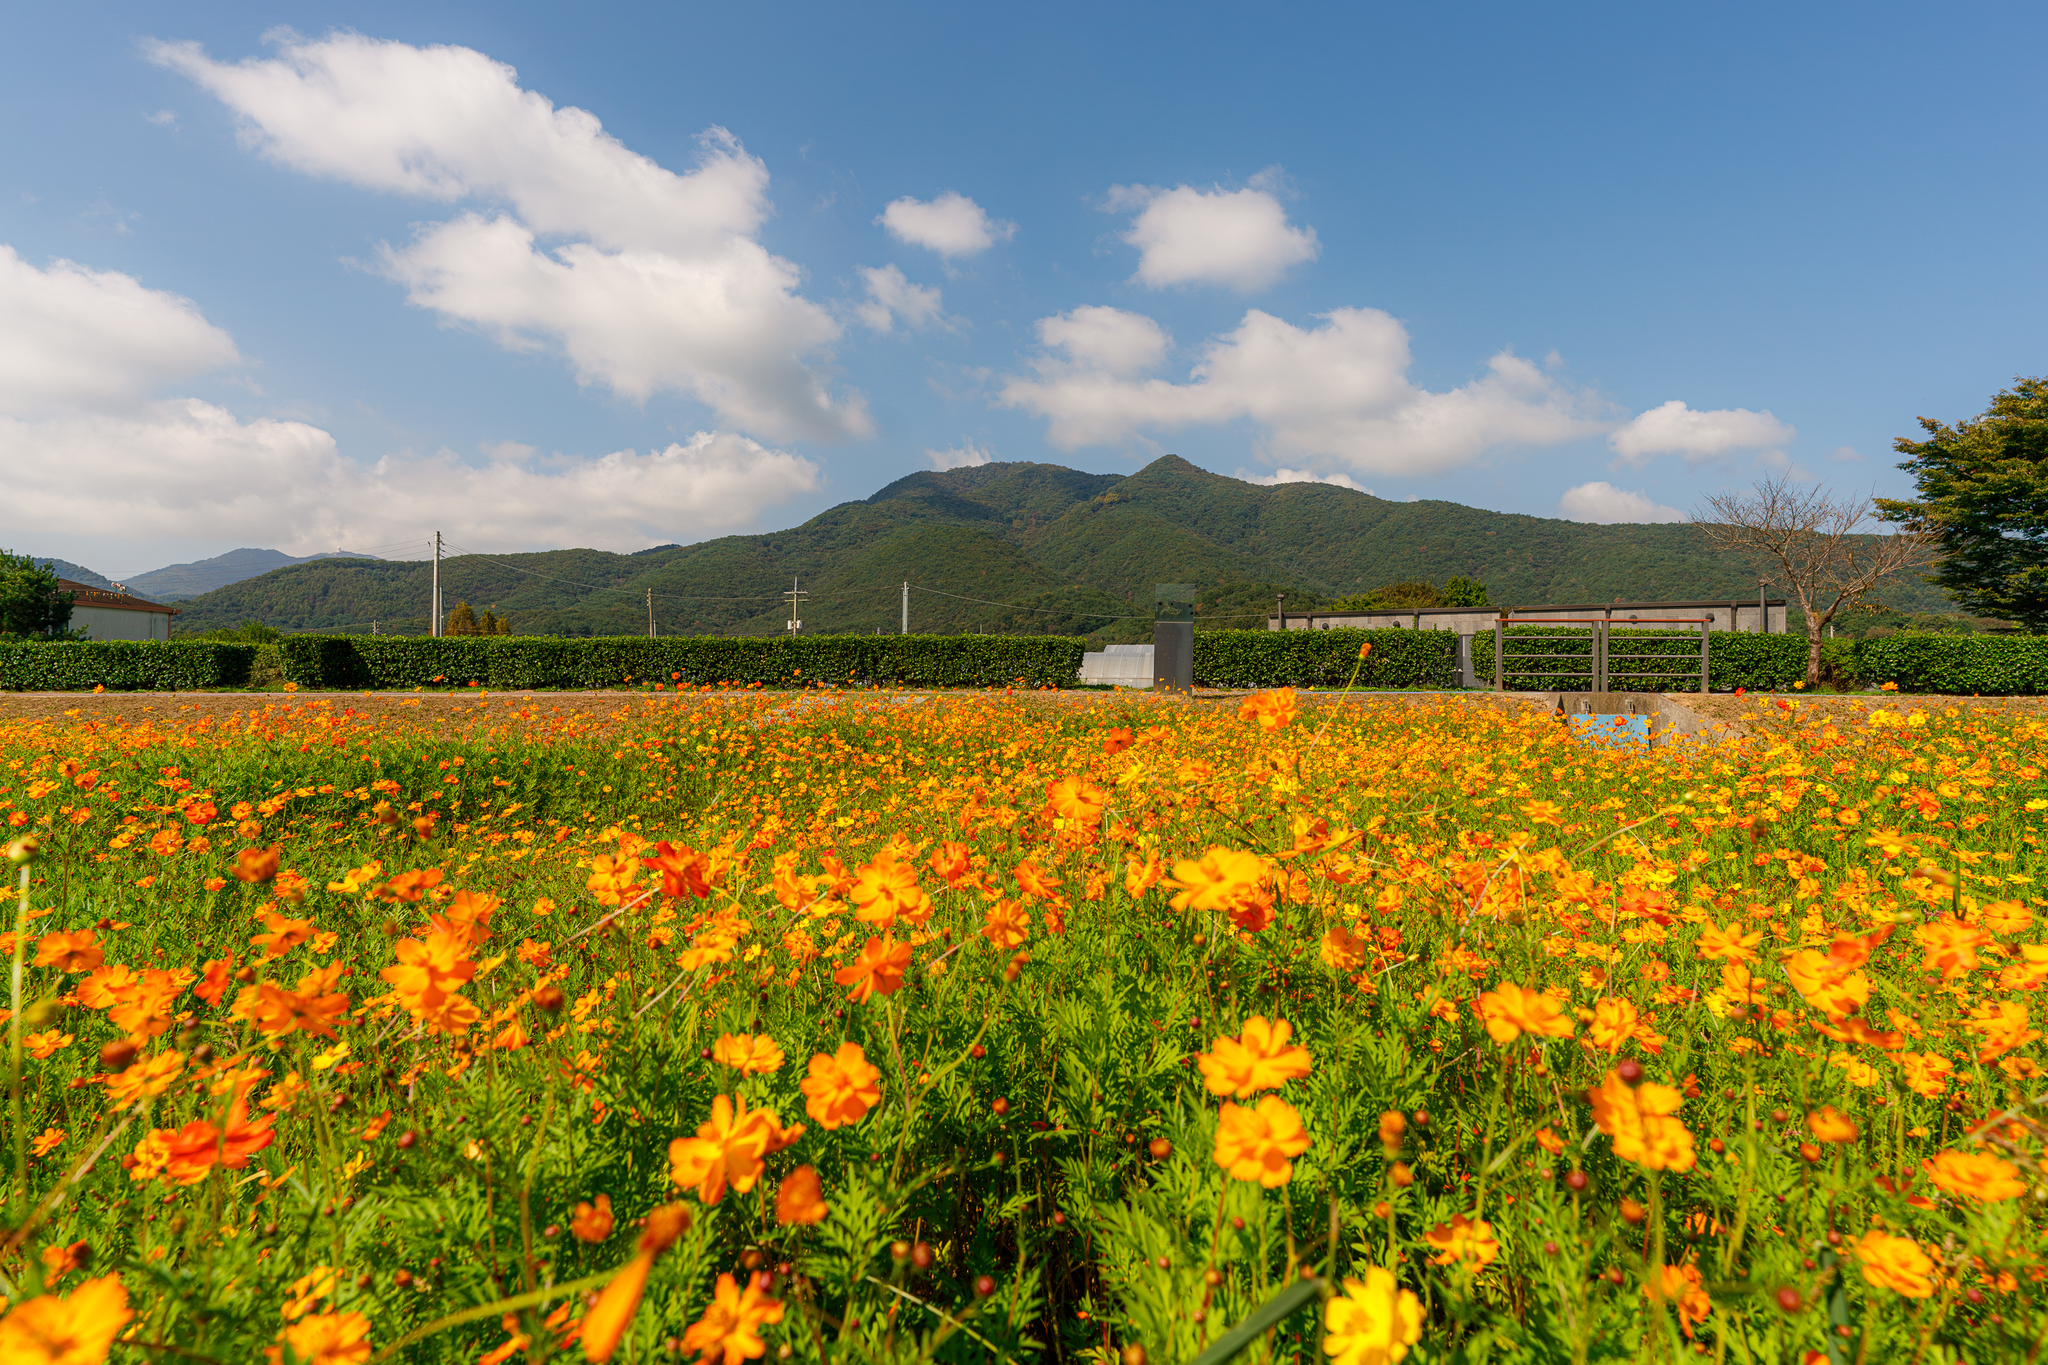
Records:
x=462, y=621
x=1983, y=497
x=1465, y=592
x=31, y=603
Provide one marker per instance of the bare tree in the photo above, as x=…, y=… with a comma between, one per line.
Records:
x=1812, y=546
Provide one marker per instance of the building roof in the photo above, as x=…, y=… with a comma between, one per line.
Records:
x=85, y=595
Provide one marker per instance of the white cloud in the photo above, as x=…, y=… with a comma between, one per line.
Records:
x=649, y=280
x=1337, y=393
x=72, y=337
x=1603, y=502
x=1280, y=476
x=1675, y=429
x=1240, y=238
x=163, y=118
x=891, y=296
x=85, y=444
x=952, y=225
x=1846, y=454
x=962, y=456
x=183, y=467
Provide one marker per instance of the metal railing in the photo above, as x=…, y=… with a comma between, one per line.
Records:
x=1599, y=658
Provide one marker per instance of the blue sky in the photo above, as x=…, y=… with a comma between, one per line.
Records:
x=535, y=275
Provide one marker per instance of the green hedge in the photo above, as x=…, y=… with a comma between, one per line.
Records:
x=1325, y=658
x=1960, y=665
x=123, y=665
x=498, y=661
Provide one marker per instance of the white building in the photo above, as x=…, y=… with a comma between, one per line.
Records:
x=105, y=615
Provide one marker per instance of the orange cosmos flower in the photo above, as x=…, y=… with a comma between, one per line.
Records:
x=1950, y=946
x=842, y=1087
x=1927, y=1073
x=1641, y=1122
x=1076, y=798
x=592, y=1222
x=801, y=1199
x=1223, y=879
x=1118, y=740
x=606, y=1321
x=611, y=879
x=285, y=934
x=1007, y=924
x=46, y=1142
x=1614, y=1023
x=1510, y=1011
x=748, y=1054
x=74, y=952
x=1258, y=1144
x=1465, y=1241
x=950, y=861
x=2003, y=1026
x=1895, y=1263
x=1729, y=943
x=47, y=1044
x=76, y=1330
x=309, y=1005
x=1035, y=882
x=256, y=865
x=145, y=1080
x=887, y=889
x=1273, y=710
x=728, y=1149
x=1976, y=1175
x=1829, y=1124
x=879, y=967
x=1681, y=1287
x=409, y=886
x=1140, y=877
x=728, y=1333
x=684, y=871
x=1258, y=1059
x=1342, y=949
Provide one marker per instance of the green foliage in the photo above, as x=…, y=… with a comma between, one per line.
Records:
x=1983, y=488
x=1960, y=665
x=1023, y=549
x=31, y=605
x=123, y=665
x=247, y=633
x=1756, y=663
x=1414, y=593
x=355, y=661
x=1325, y=658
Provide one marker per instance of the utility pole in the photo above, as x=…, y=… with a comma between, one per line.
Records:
x=373, y=627
x=650, y=613
x=434, y=606
x=1280, y=608
x=796, y=598
x=906, y=608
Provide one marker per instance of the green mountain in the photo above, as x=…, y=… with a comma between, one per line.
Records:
x=1018, y=547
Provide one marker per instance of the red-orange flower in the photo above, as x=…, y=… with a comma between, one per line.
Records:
x=1076, y=798
x=592, y=1222
x=73, y=952
x=842, y=1086
x=879, y=967
x=801, y=1199
x=256, y=864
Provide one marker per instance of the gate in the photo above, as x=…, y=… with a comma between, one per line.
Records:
x=1597, y=661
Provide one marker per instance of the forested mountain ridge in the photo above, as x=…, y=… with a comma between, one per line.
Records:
x=1019, y=547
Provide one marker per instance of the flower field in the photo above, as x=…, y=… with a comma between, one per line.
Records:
x=734, y=1025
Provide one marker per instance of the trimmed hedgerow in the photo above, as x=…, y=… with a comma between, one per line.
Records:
x=123, y=665
x=1961, y=665
x=358, y=661
x=1756, y=663
x=1325, y=658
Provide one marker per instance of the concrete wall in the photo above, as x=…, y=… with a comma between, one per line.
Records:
x=111, y=623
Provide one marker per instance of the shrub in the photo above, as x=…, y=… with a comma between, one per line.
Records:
x=1965, y=665
x=123, y=665
x=1325, y=658
x=356, y=661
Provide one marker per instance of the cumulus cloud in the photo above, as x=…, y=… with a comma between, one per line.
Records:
x=963, y=456
x=1846, y=455
x=73, y=338
x=952, y=225
x=1280, y=476
x=87, y=444
x=1603, y=502
x=1239, y=238
x=644, y=279
x=1675, y=429
x=891, y=296
x=1333, y=394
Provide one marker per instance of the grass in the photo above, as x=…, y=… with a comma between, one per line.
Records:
x=523, y=977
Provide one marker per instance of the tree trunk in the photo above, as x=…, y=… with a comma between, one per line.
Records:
x=1813, y=630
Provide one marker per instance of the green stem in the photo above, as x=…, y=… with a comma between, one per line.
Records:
x=14, y=1046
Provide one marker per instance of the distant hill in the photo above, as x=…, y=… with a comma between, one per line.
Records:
x=176, y=582
x=77, y=573
x=1019, y=547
